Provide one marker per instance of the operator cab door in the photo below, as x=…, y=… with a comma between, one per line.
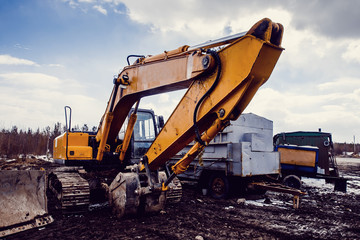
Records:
x=144, y=133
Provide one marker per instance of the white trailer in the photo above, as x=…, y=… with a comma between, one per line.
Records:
x=241, y=154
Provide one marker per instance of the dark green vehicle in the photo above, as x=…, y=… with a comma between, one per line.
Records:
x=321, y=144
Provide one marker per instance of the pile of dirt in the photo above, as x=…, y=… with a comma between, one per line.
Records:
x=323, y=214
x=31, y=163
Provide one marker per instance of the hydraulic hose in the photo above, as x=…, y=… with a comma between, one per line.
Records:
x=215, y=55
x=130, y=56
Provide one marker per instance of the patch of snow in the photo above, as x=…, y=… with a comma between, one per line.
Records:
x=44, y=158
x=346, y=161
x=229, y=207
x=353, y=184
x=317, y=183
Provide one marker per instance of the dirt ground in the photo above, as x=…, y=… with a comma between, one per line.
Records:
x=323, y=214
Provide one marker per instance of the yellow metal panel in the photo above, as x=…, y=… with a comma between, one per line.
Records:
x=297, y=157
x=79, y=153
x=78, y=139
x=59, y=150
x=78, y=145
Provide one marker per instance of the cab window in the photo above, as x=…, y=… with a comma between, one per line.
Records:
x=144, y=133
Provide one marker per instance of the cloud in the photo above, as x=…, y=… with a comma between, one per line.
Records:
x=9, y=60
x=37, y=100
x=332, y=18
x=19, y=46
x=72, y=3
x=100, y=9
x=32, y=80
x=200, y=18
x=119, y=11
x=56, y=65
x=178, y=16
x=291, y=111
x=352, y=52
x=86, y=1
x=342, y=85
x=163, y=104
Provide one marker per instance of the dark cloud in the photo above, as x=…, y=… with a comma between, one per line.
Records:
x=332, y=18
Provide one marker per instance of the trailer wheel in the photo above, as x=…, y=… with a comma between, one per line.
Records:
x=292, y=181
x=218, y=186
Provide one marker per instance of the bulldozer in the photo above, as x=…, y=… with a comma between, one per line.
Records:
x=220, y=77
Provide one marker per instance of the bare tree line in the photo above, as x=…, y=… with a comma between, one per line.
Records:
x=16, y=142
x=341, y=148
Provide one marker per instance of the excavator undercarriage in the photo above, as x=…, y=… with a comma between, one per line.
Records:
x=71, y=190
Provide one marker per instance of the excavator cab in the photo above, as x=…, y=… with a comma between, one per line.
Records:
x=79, y=148
x=144, y=133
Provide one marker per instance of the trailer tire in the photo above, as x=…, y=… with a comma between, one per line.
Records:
x=292, y=181
x=219, y=186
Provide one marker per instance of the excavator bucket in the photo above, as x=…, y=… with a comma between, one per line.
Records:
x=23, y=202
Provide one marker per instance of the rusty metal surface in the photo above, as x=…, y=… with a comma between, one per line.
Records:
x=130, y=193
x=122, y=196
x=23, y=200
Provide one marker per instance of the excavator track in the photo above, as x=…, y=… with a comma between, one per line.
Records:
x=175, y=192
x=70, y=189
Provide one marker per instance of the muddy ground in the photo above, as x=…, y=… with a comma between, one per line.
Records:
x=323, y=214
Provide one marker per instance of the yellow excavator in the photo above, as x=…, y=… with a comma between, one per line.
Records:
x=221, y=78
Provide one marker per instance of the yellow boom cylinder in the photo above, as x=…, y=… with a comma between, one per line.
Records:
x=127, y=136
x=209, y=135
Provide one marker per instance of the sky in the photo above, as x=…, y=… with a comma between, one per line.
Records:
x=55, y=53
